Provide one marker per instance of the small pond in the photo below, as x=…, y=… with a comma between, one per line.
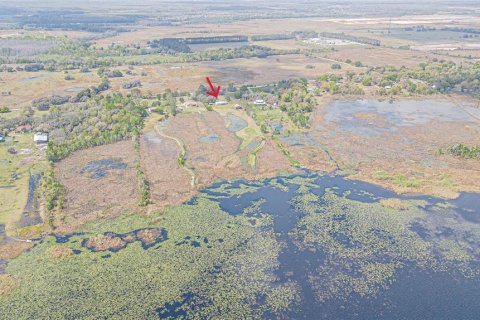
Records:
x=235, y=123
x=100, y=168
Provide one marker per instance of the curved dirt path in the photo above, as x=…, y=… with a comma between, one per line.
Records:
x=183, y=153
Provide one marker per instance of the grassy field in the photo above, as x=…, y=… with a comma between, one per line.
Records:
x=15, y=171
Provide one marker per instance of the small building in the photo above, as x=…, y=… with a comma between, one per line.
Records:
x=220, y=103
x=238, y=107
x=25, y=128
x=191, y=104
x=40, y=137
x=260, y=102
x=388, y=87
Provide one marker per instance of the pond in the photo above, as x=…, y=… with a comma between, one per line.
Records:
x=305, y=246
x=40, y=76
x=371, y=117
x=75, y=89
x=211, y=138
x=235, y=123
x=99, y=169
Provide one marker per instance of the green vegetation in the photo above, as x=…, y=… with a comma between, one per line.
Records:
x=116, y=118
x=464, y=151
x=74, y=54
x=212, y=265
x=53, y=192
x=4, y=109
x=297, y=103
x=368, y=242
x=397, y=179
x=336, y=66
x=143, y=183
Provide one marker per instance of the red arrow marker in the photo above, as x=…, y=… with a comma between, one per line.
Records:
x=213, y=92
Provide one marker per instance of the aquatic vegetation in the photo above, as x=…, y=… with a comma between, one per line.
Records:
x=226, y=190
x=278, y=184
x=365, y=243
x=115, y=242
x=247, y=250
x=7, y=284
x=397, y=179
x=231, y=268
x=60, y=252
x=395, y=203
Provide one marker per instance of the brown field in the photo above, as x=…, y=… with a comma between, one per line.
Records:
x=375, y=56
x=88, y=198
x=169, y=184
x=219, y=160
x=27, y=86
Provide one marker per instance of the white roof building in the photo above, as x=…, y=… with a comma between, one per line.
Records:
x=40, y=137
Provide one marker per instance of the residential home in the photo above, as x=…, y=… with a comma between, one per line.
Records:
x=40, y=137
x=25, y=128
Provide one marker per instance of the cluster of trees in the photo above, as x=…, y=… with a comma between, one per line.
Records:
x=464, y=151
x=132, y=84
x=43, y=104
x=4, y=109
x=170, y=45
x=105, y=72
x=100, y=121
x=53, y=193
x=297, y=102
x=86, y=94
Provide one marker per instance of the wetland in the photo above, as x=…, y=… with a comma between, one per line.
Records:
x=293, y=246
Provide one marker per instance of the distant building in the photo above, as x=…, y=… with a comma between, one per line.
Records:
x=40, y=137
x=191, y=104
x=238, y=107
x=220, y=103
x=23, y=128
x=260, y=102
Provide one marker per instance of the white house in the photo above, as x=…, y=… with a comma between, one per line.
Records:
x=40, y=137
x=260, y=102
x=220, y=103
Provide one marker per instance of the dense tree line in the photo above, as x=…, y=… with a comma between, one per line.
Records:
x=170, y=45
x=269, y=37
x=215, y=39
